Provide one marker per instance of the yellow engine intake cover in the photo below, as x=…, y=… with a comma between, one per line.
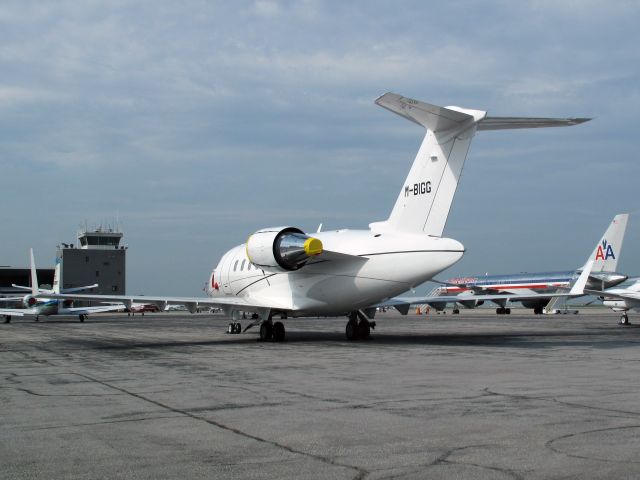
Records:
x=312, y=246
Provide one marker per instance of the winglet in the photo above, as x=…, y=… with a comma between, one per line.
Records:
x=578, y=287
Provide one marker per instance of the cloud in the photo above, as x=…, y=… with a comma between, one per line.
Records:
x=216, y=117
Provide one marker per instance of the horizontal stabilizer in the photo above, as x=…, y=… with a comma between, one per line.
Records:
x=508, y=123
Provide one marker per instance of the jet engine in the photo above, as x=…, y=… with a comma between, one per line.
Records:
x=282, y=248
x=29, y=301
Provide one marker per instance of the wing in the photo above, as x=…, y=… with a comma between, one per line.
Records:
x=18, y=312
x=192, y=303
x=402, y=304
x=631, y=295
x=88, y=310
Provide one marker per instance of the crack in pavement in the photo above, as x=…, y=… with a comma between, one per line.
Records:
x=92, y=424
x=360, y=472
x=443, y=459
x=550, y=446
x=623, y=413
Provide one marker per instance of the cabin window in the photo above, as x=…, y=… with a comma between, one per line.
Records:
x=242, y=265
x=235, y=266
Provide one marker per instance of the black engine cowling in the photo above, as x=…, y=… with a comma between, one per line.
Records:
x=282, y=248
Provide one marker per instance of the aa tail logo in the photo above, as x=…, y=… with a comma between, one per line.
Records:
x=604, y=251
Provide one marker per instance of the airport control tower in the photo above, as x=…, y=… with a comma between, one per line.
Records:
x=98, y=257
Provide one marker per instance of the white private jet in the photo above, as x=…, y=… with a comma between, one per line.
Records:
x=620, y=299
x=283, y=272
x=37, y=304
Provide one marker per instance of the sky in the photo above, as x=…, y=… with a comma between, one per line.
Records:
x=196, y=123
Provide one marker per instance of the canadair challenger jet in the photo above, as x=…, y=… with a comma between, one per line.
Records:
x=284, y=272
x=36, y=303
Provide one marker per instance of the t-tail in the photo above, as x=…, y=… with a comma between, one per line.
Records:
x=607, y=251
x=427, y=194
x=35, y=288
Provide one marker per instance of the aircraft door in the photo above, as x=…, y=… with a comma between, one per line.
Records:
x=225, y=268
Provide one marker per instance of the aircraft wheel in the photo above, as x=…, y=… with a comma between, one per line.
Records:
x=624, y=319
x=266, y=331
x=238, y=328
x=537, y=311
x=278, y=332
x=351, y=331
x=7, y=319
x=231, y=328
x=364, y=329
x=507, y=311
x=82, y=318
x=36, y=319
x=499, y=311
x=456, y=311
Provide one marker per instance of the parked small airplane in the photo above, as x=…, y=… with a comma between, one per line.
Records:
x=603, y=275
x=36, y=304
x=620, y=299
x=283, y=272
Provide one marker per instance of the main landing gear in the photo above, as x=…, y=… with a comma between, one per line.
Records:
x=359, y=327
x=272, y=331
x=624, y=319
x=503, y=311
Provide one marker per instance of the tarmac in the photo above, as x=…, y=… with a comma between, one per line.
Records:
x=171, y=395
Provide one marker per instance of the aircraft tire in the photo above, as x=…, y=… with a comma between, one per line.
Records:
x=507, y=311
x=499, y=311
x=7, y=319
x=278, y=332
x=351, y=331
x=364, y=329
x=82, y=317
x=624, y=320
x=456, y=311
x=266, y=331
x=238, y=327
x=36, y=319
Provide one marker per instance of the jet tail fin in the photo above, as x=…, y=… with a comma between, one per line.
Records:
x=606, y=254
x=425, y=198
x=34, y=275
